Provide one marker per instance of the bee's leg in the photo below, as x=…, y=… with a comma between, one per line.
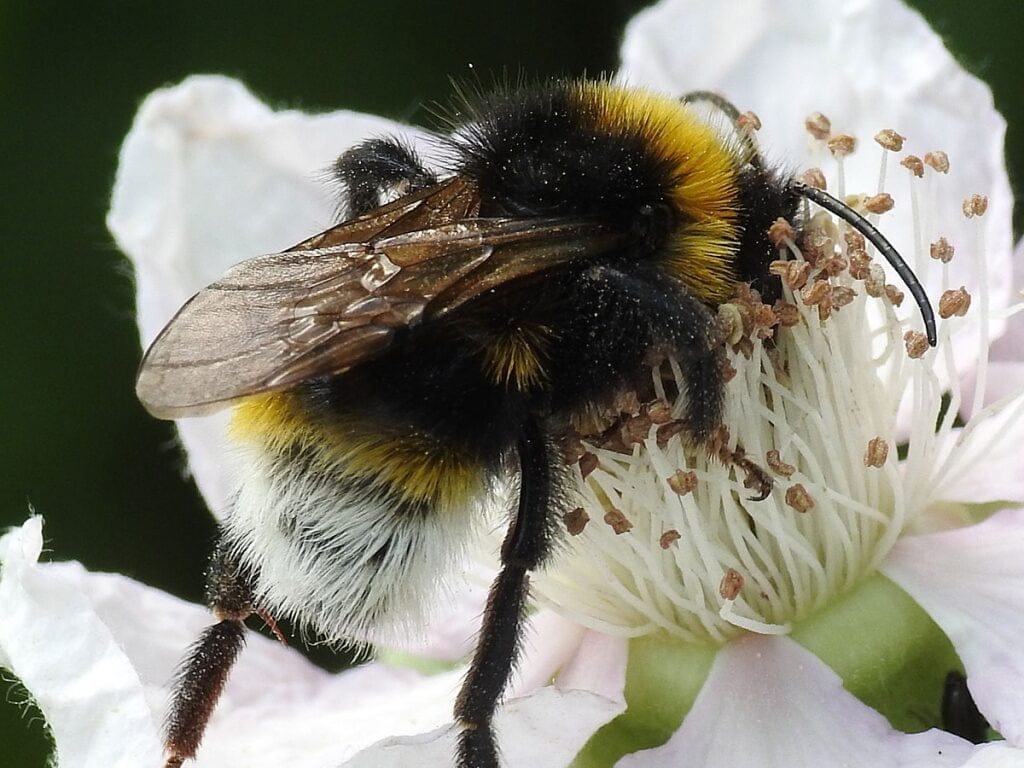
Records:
x=201, y=676
x=729, y=109
x=681, y=320
x=526, y=545
x=377, y=168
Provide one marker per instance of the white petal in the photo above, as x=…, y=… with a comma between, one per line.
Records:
x=87, y=689
x=970, y=582
x=996, y=755
x=208, y=176
x=868, y=65
x=1006, y=355
x=544, y=730
x=989, y=462
x=769, y=703
x=97, y=652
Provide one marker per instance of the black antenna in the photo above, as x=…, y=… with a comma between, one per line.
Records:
x=877, y=239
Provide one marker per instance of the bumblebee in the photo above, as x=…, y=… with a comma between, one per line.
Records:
x=385, y=373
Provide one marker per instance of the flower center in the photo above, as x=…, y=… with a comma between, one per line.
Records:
x=671, y=540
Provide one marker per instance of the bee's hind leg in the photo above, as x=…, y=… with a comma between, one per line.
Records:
x=526, y=546
x=203, y=672
x=378, y=170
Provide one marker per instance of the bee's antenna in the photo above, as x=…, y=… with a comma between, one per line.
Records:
x=877, y=239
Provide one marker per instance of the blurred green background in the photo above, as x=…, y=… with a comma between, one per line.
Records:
x=74, y=442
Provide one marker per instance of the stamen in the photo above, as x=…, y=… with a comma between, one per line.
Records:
x=814, y=386
x=876, y=238
x=938, y=160
x=819, y=126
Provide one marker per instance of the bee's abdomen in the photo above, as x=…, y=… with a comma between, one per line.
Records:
x=348, y=528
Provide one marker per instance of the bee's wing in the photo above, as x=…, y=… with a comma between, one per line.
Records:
x=338, y=298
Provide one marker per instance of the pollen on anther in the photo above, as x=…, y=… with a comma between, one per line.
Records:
x=874, y=283
x=588, y=463
x=817, y=293
x=787, y=313
x=813, y=177
x=764, y=320
x=731, y=584
x=668, y=538
x=942, y=250
x=916, y=344
x=877, y=452
x=842, y=295
x=841, y=145
x=894, y=295
x=914, y=164
x=887, y=138
x=819, y=126
x=682, y=482
x=775, y=463
x=748, y=121
x=793, y=273
x=833, y=266
x=954, y=302
x=727, y=370
x=798, y=498
x=880, y=203
x=635, y=429
x=617, y=521
x=860, y=265
x=576, y=521
x=659, y=412
x=975, y=205
x=937, y=160
x=781, y=233
x=855, y=241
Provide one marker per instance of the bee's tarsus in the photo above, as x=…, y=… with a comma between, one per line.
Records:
x=204, y=671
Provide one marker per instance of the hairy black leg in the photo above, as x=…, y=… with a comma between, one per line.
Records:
x=375, y=167
x=203, y=672
x=686, y=325
x=526, y=545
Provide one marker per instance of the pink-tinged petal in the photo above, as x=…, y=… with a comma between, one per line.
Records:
x=559, y=649
x=970, y=582
x=987, y=463
x=599, y=665
x=550, y=642
x=209, y=176
x=867, y=65
x=770, y=703
x=544, y=730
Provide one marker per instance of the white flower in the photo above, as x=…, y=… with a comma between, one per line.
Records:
x=209, y=176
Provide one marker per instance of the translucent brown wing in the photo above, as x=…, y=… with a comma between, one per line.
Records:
x=338, y=299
